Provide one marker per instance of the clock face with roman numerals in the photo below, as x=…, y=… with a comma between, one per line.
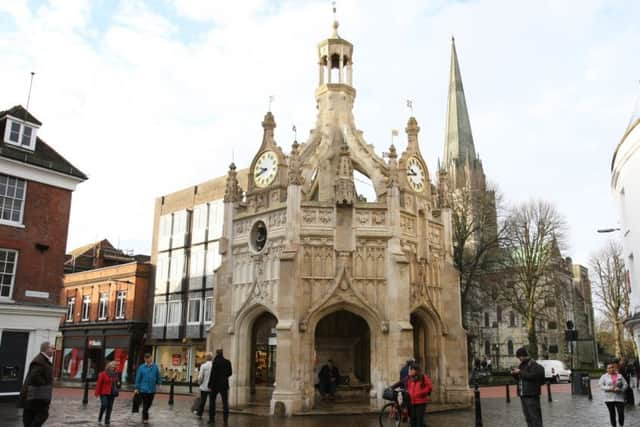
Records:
x=266, y=169
x=415, y=174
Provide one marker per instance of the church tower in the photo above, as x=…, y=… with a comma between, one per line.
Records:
x=313, y=271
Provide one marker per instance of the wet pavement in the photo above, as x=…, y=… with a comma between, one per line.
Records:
x=67, y=410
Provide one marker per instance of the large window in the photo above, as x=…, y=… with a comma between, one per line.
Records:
x=174, y=313
x=199, y=223
x=71, y=303
x=102, y=306
x=176, y=270
x=12, y=195
x=20, y=134
x=160, y=314
x=121, y=304
x=162, y=273
x=196, y=267
x=86, y=304
x=8, y=263
x=208, y=309
x=195, y=310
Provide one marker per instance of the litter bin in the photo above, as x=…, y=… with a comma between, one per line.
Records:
x=580, y=383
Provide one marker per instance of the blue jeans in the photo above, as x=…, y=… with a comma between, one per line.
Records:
x=106, y=405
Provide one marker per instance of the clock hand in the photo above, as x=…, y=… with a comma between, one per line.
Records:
x=411, y=172
x=262, y=170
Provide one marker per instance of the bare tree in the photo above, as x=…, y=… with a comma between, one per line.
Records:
x=533, y=277
x=476, y=238
x=611, y=290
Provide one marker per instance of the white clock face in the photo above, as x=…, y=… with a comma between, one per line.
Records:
x=266, y=169
x=415, y=174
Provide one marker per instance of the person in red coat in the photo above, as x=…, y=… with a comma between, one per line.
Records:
x=419, y=388
x=107, y=390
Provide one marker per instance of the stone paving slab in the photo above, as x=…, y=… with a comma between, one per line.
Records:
x=565, y=410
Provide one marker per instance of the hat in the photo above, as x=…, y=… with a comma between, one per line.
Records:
x=522, y=352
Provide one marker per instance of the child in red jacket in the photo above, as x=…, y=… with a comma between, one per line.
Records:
x=419, y=387
x=107, y=390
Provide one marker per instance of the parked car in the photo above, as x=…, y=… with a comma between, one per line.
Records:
x=555, y=370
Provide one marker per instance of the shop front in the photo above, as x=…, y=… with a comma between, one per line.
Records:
x=180, y=360
x=87, y=352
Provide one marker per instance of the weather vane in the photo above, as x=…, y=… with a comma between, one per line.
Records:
x=334, y=10
x=410, y=105
x=271, y=98
x=295, y=133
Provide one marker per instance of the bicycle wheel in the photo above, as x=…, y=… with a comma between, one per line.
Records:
x=390, y=415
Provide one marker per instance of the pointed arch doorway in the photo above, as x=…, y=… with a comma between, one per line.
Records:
x=263, y=357
x=425, y=344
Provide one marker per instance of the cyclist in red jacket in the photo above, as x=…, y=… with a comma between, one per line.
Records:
x=419, y=388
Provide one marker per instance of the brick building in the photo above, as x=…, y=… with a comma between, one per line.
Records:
x=35, y=199
x=98, y=255
x=105, y=320
x=186, y=234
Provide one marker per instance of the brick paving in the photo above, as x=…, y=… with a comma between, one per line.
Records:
x=67, y=410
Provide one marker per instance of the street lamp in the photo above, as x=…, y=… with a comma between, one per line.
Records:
x=608, y=230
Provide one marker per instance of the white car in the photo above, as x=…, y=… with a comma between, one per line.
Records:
x=555, y=370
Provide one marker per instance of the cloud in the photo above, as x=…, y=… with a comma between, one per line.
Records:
x=150, y=97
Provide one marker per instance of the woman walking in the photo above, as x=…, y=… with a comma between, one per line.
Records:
x=107, y=390
x=419, y=387
x=614, y=385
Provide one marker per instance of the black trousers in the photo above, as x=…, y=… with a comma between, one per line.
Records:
x=612, y=407
x=417, y=414
x=531, y=410
x=106, y=406
x=203, y=401
x=224, y=395
x=147, y=400
x=35, y=414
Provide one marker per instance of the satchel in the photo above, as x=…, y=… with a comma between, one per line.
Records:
x=389, y=394
x=195, y=405
x=137, y=401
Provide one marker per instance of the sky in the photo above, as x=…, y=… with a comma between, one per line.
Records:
x=148, y=97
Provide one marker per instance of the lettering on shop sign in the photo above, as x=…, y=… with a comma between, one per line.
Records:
x=95, y=343
x=36, y=294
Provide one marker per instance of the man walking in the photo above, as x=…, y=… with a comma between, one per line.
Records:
x=219, y=383
x=203, y=379
x=530, y=377
x=36, y=391
x=147, y=377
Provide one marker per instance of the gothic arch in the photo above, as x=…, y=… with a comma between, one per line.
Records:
x=428, y=343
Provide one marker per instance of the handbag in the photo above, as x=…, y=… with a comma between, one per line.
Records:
x=137, y=401
x=389, y=394
x=195, y=405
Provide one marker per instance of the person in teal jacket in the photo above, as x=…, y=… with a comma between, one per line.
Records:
x=147, y=376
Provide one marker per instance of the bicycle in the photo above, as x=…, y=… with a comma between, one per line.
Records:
x=394, y=412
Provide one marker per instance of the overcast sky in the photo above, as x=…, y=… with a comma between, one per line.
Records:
x=148, y=97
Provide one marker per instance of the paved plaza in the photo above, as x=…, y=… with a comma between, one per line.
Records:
x=565, y=410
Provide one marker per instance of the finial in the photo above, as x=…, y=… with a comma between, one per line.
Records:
x=271, y=99
x=453, y=39
x=335, y=21
x=410, y=105
x=232, y=166
x=295, y=133
x=393, y=154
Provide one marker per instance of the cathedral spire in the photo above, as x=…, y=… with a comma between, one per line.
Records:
x=458, y=139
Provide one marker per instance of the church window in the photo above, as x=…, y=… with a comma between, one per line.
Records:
x=486, y=319
x=510, y=348
x=512, y=319
x=487, y=348
x=499, y=313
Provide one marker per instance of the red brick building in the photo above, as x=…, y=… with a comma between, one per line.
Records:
x=105, y=320
x=35, y=198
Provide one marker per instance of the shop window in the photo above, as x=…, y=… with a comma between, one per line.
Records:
x=121, y=357
x=195, y=310
x=159, y=314
x=71, y=303
x=72, y=359
x=86, y=304
x=102, y=306
x=174, y=313
x=208, y=309
x=121, y=304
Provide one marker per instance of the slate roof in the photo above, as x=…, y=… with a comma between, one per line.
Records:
x=43, y=156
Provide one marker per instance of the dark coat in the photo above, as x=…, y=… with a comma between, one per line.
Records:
x=38, y=384
x=220, y=373
x=530, y=378
x=328, y=375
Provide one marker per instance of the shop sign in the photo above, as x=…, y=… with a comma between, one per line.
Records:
x=95, y=343
x=175, y=359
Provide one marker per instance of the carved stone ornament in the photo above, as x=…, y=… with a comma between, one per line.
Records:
x=232, y=190
x=295, y=169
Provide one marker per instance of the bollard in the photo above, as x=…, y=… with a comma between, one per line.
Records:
x=476, y=398
x=508, y=393
x=190, y=384
x=590, y=396
x=549, y=391
x=85, y=396
x=173, y=381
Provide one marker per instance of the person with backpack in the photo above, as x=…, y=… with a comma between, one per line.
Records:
x=107, y=389
x=530, y=376
x=419, y=388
